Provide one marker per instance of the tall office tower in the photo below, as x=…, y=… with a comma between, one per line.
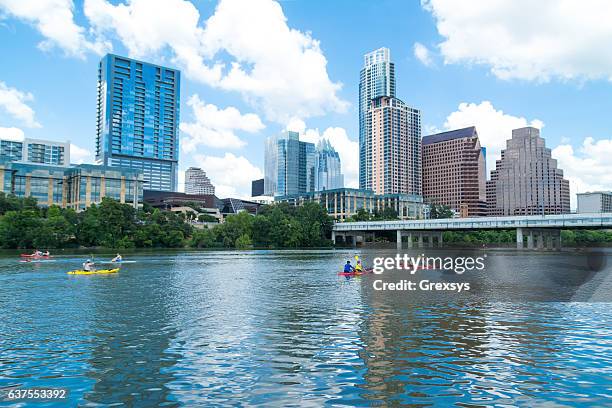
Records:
x=328, y=171
x=396, y=147
x=35, y=151
x=454, y=171
x=289, y=165
x=138, y=117
x=526, y=180
x=377, y=79
x=196, y=182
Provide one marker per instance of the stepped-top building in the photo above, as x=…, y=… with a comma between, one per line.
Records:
x=526, y=180
x=454, y=171
x=196, y=182
x=289, y=165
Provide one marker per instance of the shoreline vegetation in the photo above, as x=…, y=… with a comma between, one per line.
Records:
x=112, y=225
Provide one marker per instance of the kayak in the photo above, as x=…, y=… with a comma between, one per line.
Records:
x=96, y=272
x=35, y=256
x=116, y=262
x=365, y=271
x=36, y=260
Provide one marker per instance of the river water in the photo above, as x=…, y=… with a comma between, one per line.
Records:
x=282, y=328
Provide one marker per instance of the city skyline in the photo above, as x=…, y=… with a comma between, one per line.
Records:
x=227, y=114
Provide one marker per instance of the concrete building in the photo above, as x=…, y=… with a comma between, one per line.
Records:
x=526, y=180
x=454, y=172
x=35, y=151
x=328, y=170
x=289, y=165
x=75, y=187
x=395, y=141
x=595, y=202
x=137, y=119
x=196, y=182
x=377, y=78
x=344, y=202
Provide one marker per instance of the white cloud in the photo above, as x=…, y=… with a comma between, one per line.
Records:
x=277, y=69
x=588, y=168
x=14, y=102
x=422, y=53
x=54, y=19
x=80, y=155
x=347, y=148
x=231, y=175
x=215, y=127
x=494, y=126
x=525, y=39
x=12, y=133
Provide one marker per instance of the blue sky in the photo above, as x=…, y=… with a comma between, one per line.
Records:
x=496, y=65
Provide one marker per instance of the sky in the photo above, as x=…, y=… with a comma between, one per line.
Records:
x=252, y=68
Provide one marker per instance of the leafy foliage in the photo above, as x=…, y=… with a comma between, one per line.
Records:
x=438, y=211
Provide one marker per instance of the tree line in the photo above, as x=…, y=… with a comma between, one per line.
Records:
x=110, y=224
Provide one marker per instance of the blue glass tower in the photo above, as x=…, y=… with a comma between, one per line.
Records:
x=137, y=119
x=289, y=165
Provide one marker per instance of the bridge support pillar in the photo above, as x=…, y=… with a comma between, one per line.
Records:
x=333, y=237
x=399, y=239
x=420, y=241
x=519, y=238
x=440, y=240
x=530, y=240
x=540, y=240
x=549, y=240
x=410, y=240
x=430, y=238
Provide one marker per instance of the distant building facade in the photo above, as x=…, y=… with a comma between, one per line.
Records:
x=595, y=202
x=35, y=151
x=377, y=78
x=328, y=169
x=344, y=202
x=196, y=182
x=526, y=180
x=289, y=165
x=257, y=188
x=137, y=119
x=395, y=141
x=454, y=171
x=75, y=187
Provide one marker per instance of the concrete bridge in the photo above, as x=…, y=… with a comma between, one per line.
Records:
x=539, y=231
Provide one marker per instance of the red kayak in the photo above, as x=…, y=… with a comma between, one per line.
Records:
x=34, y=256
x=365, y=271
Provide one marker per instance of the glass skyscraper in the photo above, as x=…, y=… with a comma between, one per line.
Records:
x=377, y=79
x=35, y=151
x=289, y=165
x=328, y=172
x=137, y=119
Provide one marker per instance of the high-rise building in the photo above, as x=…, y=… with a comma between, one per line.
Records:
x=35, y=151
x=196, y=182
x=137, y=119
x=257, y=188
x=377, y=79
x=454, y=171
x=526, y=180
x=328, y=171
x=289, y=165
x=395, y=141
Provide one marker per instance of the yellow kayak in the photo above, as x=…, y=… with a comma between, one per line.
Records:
x=96, y=272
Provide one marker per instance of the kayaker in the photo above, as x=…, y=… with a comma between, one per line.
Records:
x=348, y=267
x=118, y=258
x=37, y=253
x=89, y=266
x=46, y=253
x=359, y=266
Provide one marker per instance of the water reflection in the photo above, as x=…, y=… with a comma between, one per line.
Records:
x=281, y=328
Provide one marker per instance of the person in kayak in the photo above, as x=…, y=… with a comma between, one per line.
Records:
x=46, y=253
x=118, y=258
x=348, y=267
x=89, y=266
x=359, y=266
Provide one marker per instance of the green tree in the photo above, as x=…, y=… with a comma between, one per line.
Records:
x=19, y=229
x=243, y=242
x=203, y=238
x=438, y=211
